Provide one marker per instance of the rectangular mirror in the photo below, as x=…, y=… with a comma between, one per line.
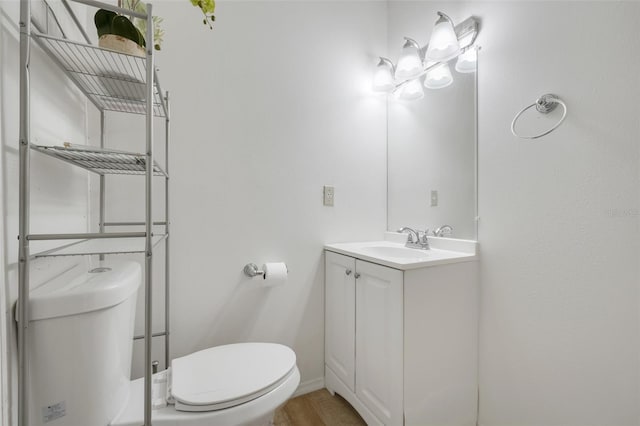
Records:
x=432, y=144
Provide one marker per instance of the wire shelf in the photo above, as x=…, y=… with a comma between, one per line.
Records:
x=101, y=246
x=113, y=81
x=101, y=161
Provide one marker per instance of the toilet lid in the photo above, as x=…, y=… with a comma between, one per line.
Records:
x=229, y=375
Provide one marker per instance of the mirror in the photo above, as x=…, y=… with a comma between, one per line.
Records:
x=432, y=146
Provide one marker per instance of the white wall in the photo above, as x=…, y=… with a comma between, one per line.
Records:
x=267, y=108
x=559, y=216
x=59, y=193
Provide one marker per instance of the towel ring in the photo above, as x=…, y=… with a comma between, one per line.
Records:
x=544, y=104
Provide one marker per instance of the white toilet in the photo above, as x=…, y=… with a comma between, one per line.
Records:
x=80, y=362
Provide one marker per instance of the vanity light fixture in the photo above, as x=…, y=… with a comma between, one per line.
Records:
x=443, y=44
x=383, y=77
x=467, y=61
x=447, y=42
x=410, y=63
x=438, y=77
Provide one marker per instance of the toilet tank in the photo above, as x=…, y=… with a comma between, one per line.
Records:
x=81, y=338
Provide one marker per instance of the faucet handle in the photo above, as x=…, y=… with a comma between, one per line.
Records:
x=424, y=235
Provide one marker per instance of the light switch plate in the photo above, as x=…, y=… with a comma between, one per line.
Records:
x=328, y=192
x=434, y=198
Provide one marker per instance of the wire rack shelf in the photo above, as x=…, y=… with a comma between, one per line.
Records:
x=113, y=81
x=101, y=161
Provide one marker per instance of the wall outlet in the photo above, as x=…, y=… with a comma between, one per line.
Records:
x=434, y=198
x=328, y=192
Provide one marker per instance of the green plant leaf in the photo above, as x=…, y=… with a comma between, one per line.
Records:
x=123, y=27
x=208, y=8
x=103, y=20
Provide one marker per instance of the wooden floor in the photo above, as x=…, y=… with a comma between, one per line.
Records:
x=317, y=408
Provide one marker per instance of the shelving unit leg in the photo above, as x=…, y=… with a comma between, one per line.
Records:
x=23, y=226
x=149, y=221
x=167, y=256
x=102, y=182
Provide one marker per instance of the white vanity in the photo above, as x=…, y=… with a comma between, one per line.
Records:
x=401, y=330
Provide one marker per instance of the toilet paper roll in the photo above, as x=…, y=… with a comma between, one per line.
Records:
x=275, y=273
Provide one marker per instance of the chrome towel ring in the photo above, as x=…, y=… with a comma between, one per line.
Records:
x=544, y=104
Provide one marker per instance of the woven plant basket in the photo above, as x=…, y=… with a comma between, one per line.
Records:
x=121, y=44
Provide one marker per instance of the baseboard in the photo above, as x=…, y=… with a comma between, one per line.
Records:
x=309, y=386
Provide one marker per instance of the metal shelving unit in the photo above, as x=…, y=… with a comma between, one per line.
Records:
x=112, y=81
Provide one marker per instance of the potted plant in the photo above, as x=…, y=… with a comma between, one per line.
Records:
x=118, y=32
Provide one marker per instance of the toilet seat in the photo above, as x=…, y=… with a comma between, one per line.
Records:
x=229, y=375
x=257, y=411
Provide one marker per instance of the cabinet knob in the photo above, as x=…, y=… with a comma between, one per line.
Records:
x=348, y=272
x=356, y=275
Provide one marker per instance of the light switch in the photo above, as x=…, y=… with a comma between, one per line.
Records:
x=434, y=198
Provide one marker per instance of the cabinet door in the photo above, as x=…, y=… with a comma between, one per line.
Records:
x=340, y=316
x=379, y=341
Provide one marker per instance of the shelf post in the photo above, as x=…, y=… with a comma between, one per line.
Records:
x=102, y=182
x=167, y=257
x=23, y=212
x=148, y=282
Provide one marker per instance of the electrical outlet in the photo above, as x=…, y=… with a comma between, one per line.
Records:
x=434, y=198
x=328, y=192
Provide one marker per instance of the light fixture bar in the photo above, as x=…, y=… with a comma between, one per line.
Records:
x=467, y=31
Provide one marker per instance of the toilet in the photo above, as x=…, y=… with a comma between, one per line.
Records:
x=81, y=340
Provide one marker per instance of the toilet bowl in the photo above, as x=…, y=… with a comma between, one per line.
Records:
x=80, y=362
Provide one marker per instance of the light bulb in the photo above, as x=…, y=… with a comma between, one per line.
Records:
x=411, y=90
x=438, y=77
x=467, y=61
x=443, y=44
x=383, y=76
x=409, y=64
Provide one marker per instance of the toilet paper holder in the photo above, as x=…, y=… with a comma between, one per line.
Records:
x=251, y=270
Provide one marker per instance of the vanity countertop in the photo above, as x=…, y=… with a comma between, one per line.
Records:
x=391, y=251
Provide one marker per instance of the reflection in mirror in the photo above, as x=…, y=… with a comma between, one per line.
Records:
x=432, y=143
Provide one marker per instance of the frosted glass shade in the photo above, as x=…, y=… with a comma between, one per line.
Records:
x=409, y=64
x=383, y=76
x=412, y=90
x=438, y=77
x=467, y=61
x=443, y=44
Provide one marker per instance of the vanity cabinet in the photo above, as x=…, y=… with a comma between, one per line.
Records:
x=401, y=346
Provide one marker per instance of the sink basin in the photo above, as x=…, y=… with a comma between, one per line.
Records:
x=396, y=252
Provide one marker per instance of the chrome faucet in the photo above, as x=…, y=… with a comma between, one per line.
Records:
x=444, y=230
x=420, y=241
